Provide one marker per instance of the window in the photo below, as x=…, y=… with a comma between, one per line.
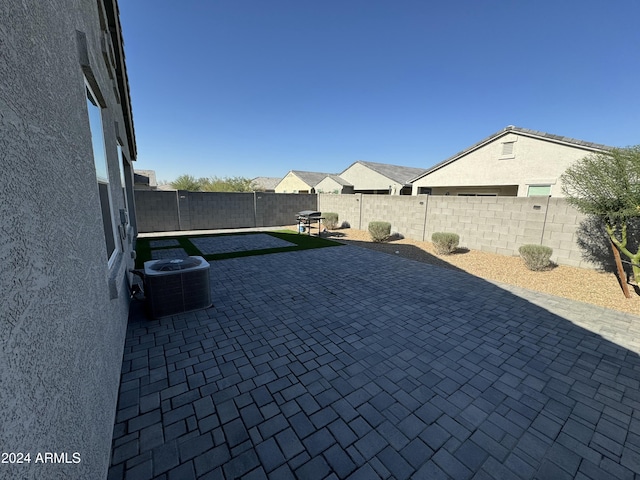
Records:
x=102, y=172
x=123, y=180
x=539, y=191
x=424, y=190
x=124, y=212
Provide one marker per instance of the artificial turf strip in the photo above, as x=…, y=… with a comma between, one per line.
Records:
x=300, y=241
x=143, y=248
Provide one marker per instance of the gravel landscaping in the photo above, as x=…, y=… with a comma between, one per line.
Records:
x=580, y=284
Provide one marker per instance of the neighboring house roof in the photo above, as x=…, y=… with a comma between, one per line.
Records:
x=310, y=178
x=266, y=183
x=397, y=173
x=521, y=131
x=338, y=179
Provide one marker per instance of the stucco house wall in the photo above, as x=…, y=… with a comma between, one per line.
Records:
x=331, y=185
x=380, y=178
x=291, y=183
x=535, y=161
x=64, y=308
x=366, y=180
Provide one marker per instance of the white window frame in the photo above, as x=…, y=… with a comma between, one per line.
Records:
x=102, y=170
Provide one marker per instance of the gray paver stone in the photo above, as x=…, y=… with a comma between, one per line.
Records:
x=339, y=461
x=316, y=468
x=455, y=376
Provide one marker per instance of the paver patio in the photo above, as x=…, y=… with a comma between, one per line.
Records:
x=348, y=363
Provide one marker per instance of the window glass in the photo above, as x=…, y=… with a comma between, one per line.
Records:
x=539, y=191
x=97, y=138
x=123, y=180
x=105, y=206
x=102, y=173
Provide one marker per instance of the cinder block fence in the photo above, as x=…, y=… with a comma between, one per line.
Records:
x=162, y=211
x=493, y=224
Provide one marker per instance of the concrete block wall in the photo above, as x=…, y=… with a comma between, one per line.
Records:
x=346, y=206
x=157, y=210
x=493, y=224
x=404, y=213
x=273, y=209
x=213, y=210
x=559, y=233
x=161, y=211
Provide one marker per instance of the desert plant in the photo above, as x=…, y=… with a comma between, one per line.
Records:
x=187, y=182
x=445, y=243
x=607, y=185
x=536, y=257
x=228, y=184
x=379, y=231
x=330, y=220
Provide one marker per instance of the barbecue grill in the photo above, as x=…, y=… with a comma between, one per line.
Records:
x=306, y=218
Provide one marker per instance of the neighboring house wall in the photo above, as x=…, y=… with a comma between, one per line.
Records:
x=496, y=190
x=63, y=312
x=329, y=185
x=534, y=162
x=144, y=180
x=159, y=211
x=291, y=183
x=365, y=180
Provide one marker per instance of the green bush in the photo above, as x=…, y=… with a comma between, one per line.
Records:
x=379, y=231
x=445, y=243
x=536, y=257
x=330, y=220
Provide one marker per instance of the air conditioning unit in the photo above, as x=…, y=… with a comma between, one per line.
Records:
x=175, y=286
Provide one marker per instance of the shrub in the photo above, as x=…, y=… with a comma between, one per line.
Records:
x=379, y=231
x=445, y=243
x=536, y=257
x=330, y=220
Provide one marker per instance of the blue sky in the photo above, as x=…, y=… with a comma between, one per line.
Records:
x=260, y=87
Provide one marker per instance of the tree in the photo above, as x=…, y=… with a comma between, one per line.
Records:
x=213, y=184
x=227, y=184
x=607, y=185
x=187, y=182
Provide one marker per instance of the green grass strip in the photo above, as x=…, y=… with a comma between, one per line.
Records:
x=300, y=241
